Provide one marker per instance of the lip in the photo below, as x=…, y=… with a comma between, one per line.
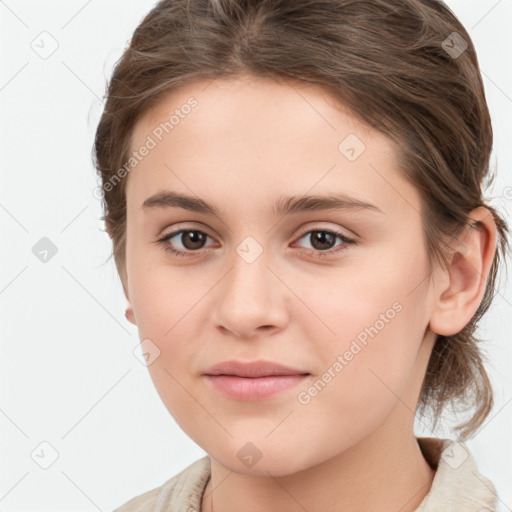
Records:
x=255, y=380
x=252, y=369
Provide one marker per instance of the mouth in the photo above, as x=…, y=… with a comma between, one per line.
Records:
x=255, y=380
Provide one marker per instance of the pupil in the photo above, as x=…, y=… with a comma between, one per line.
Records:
x=320, y=237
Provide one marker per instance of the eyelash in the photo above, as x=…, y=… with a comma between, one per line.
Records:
x=316, y=253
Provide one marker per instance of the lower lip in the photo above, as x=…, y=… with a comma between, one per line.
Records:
x=246, y=388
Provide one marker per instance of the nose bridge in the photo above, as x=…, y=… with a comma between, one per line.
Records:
x=248, y=276
x=249, y=295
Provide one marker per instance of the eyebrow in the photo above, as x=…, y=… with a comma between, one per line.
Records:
x=284, y=206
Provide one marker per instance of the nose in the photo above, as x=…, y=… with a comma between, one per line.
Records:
x=250, y=300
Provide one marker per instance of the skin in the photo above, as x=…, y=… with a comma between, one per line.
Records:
x=248, y=142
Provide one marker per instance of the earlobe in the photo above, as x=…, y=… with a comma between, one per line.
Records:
x=466, y=274
x=130, y=316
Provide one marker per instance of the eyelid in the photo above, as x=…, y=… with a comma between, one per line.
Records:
x=184, y=226
x=345, y=233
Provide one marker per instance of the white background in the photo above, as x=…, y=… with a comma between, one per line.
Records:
x=68, y=373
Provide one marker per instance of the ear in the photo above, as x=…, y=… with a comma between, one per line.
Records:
x=130, y=316
x=462, y=287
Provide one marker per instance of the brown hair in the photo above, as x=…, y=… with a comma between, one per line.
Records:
x=389, y=62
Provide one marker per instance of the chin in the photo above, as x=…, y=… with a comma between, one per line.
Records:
x=262, y=459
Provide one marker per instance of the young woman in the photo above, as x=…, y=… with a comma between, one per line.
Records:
x=294, y=194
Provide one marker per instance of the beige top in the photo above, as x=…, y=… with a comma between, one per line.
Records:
x=457, y=484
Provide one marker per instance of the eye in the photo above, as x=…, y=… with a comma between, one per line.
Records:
x=192, y=240
x=322, y=241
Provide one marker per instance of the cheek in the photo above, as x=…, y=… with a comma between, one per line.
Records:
x=169, y=305
x=381, y=339
x=364, y=298
x=379, y=320
x=361, y=378
x=162, y=294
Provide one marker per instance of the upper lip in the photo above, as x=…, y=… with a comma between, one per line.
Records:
x=252, y=369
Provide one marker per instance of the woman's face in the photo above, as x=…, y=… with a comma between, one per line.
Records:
x=341, y=294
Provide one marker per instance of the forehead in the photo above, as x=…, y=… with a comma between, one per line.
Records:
x=255, y=135
x=264, y=105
